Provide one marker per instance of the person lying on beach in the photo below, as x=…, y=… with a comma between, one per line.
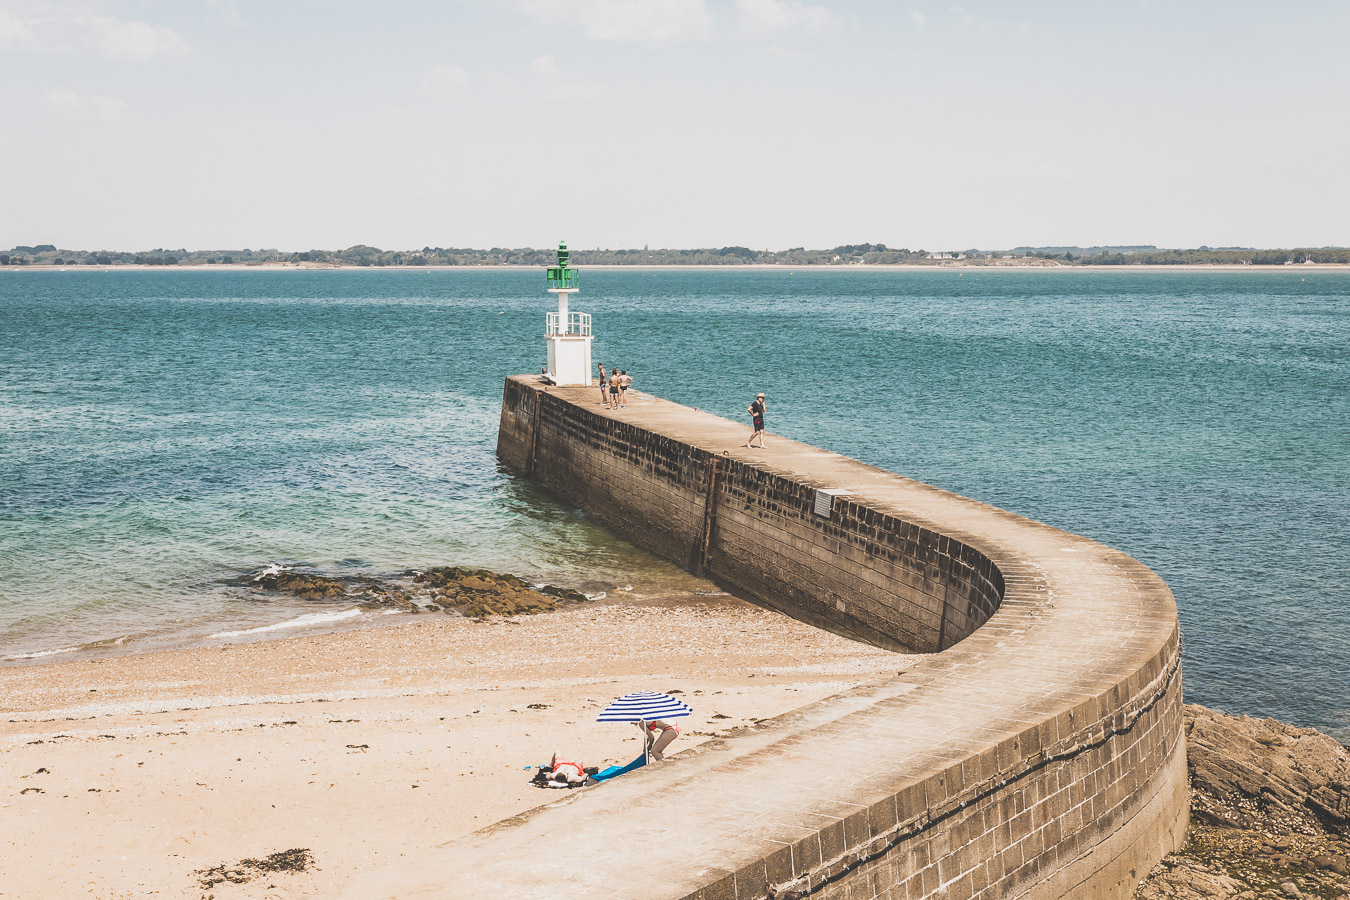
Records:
x=563, y=773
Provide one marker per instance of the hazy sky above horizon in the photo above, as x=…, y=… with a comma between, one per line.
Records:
x=673, y=123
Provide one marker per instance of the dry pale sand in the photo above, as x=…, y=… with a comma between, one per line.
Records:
x=127, y=777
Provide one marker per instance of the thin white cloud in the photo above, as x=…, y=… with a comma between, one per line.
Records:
x=76, y=107
x=758, y=16
x=445, y=79
x=966, y=19
x=111, y=38
x=919, y=18
x=15, y=34
x=626, y=20
x=226, y=13
x=136, y=41
x=544, y=65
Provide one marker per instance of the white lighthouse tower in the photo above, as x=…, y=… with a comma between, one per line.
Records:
x=569, y=333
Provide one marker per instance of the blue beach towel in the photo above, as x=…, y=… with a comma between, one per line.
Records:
x=616, y=771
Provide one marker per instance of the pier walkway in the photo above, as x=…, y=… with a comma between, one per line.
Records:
x=1037, y=752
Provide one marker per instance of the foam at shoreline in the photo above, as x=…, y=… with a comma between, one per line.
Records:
x=304, y=621
x=37, y=654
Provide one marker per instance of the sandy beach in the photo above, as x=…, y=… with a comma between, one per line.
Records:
x=158, y=775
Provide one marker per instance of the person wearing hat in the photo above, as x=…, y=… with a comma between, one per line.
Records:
x=756, y=411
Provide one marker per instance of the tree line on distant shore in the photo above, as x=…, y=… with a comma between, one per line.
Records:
x=1206, y=256
x=847, y=254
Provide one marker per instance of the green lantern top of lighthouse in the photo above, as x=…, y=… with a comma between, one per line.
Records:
x=562, y=277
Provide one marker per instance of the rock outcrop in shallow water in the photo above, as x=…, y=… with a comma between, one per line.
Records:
x=476, y=593
x=1270, y=814
x=479, y=593
x=301, y=584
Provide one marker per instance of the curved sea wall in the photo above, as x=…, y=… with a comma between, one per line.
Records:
x=1037, y=752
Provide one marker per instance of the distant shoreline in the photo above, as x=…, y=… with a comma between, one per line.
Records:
x=899, y=267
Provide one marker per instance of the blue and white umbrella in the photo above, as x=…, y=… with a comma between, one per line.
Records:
x=643, y=707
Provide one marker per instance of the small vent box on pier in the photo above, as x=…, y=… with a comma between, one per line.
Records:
x=825, y=500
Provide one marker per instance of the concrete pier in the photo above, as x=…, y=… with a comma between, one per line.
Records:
x=1037, y=752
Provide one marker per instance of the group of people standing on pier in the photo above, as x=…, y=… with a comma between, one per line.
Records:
x=614, y=387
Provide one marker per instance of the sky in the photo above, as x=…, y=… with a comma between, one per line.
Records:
x=299, y=124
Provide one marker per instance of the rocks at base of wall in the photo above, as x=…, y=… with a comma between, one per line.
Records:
x=1237, y=864
x=1270, y=813
x=1250, y=773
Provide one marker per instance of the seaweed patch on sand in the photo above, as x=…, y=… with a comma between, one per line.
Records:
x=296, y=860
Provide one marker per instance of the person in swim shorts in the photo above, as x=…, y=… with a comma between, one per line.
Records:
x=625, y=382
x=756, y=411
x=604, y=384
x=614, y=388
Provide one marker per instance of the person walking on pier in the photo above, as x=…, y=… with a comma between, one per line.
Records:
x=756, y=411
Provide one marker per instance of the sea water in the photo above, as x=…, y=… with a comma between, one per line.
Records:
x=164, y=432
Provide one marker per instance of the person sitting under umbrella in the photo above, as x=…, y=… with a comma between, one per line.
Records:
x=659, y=735
x=648, y=710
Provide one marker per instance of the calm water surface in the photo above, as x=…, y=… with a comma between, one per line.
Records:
x=163, y=432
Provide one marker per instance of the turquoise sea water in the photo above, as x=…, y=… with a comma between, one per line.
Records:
x=162, y=432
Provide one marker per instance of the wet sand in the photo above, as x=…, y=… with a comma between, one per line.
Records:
x=133, y=776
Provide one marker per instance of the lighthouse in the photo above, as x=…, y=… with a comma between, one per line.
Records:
x=569, y=333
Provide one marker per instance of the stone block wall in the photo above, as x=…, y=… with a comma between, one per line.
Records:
x=1037, y=753
x=858, y=571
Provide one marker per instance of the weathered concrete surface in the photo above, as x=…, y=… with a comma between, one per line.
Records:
x=1039, y=754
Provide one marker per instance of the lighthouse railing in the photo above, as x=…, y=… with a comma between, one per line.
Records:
x=560, y=279
x=576, y=323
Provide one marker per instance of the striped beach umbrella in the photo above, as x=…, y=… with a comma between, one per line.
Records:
x=643, y=707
